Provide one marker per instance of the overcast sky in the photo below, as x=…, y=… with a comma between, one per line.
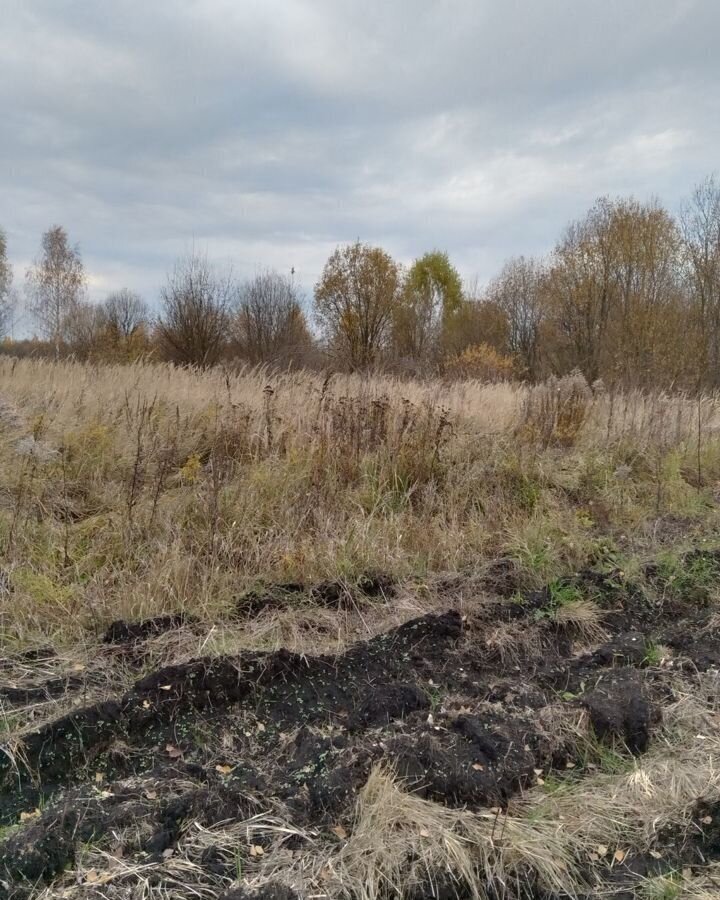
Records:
x=269, y=131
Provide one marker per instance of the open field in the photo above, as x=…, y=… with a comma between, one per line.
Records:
x=286, y=635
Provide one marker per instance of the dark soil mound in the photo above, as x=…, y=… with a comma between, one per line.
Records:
x=218, y=739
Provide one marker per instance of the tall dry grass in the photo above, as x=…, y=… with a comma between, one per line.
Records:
x=133, y=490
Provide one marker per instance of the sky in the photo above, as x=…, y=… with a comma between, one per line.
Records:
x=267, y=132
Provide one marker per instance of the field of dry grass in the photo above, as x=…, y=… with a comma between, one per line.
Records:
x=128, y=492
x=571, y=531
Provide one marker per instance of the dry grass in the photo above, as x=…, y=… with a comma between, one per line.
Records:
x=582, y=619
x=133, y=491
x=626, y=811
x=400, y=841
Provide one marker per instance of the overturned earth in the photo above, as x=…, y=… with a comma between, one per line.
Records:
x=261, y=774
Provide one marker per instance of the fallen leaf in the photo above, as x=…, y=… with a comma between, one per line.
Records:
x=256, y=850
x=538, y=771
x=99, y=778
x=424, y=832
x=479, y=767
x=78, y=667
x=167, y=853
x=706, y=820
x=601, y=850
x=655, y=854
x=260, y=727
x=224, y=769
x=29, y=816
x=569, y=764
x=687, y=873
x=151, y=795
x=146, y=704
x=165, y=687
x=173, y=752
x=339, y=831
x=541, y=781
x=619, y=855
x=105, y=795
x=95, y=877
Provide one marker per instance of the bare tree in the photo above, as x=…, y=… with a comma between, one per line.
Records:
x=196, y=304
x=518, y=292
x=700, y=225
x=355, y=300
x=269, y=324
x=126, y=313
x=7, y=299
x=55, y=284
x=85, y=330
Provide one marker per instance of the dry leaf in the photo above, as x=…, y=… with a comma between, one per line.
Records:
x=541, y=781
x=146, y=704
x=256, y=850
x=424, y=832
x=538, y=771
x=151, y=795
x=601, y=850
x=260, y=726
x=569, y=764
x=655, y=854
x=687, y=873
x=619, y=855
x=173, y=752
x=706, y=820
x=78, y=667
x=99, y=778
x=29, y=816
x=224, y=769
x=167, y=853
x=479, y=767
x=165, y=687
x=95, y=877
x=339, y=831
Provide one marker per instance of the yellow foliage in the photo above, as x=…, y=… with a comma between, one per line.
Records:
x=190, y=472
x=482, y=362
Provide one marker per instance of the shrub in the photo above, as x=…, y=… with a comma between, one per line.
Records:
x=482, y=362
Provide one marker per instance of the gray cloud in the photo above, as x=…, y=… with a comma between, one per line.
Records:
x=267, y=131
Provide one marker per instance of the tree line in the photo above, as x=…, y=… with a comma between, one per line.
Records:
x=630, y=294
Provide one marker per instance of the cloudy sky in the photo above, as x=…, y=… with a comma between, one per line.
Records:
x=268, y=131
